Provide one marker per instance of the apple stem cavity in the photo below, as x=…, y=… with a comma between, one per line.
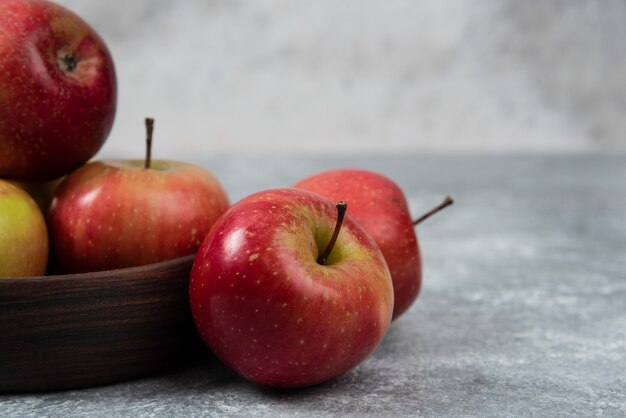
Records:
x=149, y=130
x=67, y=62
x=341, y=212
x=447, y=202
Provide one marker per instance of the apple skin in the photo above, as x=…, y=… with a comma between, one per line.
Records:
x=41, y=192
x=23, y=234
x=268, y=310
x=380, y=206
x=55, y=113
x=116, y=214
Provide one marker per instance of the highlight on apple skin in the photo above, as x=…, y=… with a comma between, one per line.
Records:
x=58, y=90
x=268, y=309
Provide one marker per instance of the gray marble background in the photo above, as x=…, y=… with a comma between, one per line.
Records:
x=226, y=77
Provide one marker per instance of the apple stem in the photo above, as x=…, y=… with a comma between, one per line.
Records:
x=149, y=130
x=447, y=202
x=341, y=211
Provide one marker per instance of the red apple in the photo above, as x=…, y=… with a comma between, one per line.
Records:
x=268, y=305
x=115, y=214
x=23, y=234
x=57, y=90
x=381, y=207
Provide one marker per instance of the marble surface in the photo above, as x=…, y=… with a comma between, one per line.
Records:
x=365, y=76
x=522, y=313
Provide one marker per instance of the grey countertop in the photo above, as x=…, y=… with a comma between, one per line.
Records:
x=522, y=312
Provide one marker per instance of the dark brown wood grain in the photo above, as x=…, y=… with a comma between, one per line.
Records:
x=80, y=330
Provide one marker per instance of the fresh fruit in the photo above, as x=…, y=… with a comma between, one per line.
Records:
x=41, y=192
x=124, y=213
x=381, y=207
x=267, y=303
x=57, y=90
x=23, y=234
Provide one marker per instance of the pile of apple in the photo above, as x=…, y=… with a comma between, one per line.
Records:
x=57, y=105
x=290, y=287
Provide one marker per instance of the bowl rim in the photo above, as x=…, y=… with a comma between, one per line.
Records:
x=102, y=274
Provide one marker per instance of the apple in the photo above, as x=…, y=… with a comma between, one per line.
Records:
x=23, y=234
x=41, y=192
x=276, y=300
x=124, y=213
x=381, y=207
x=57, y=90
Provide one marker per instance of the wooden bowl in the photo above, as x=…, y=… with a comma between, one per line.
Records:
x=79, y=330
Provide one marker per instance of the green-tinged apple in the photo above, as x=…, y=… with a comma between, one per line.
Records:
x=287, y=295
x=380, y=206
x=57, y=90
x=124, y=213
x=23, y=234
